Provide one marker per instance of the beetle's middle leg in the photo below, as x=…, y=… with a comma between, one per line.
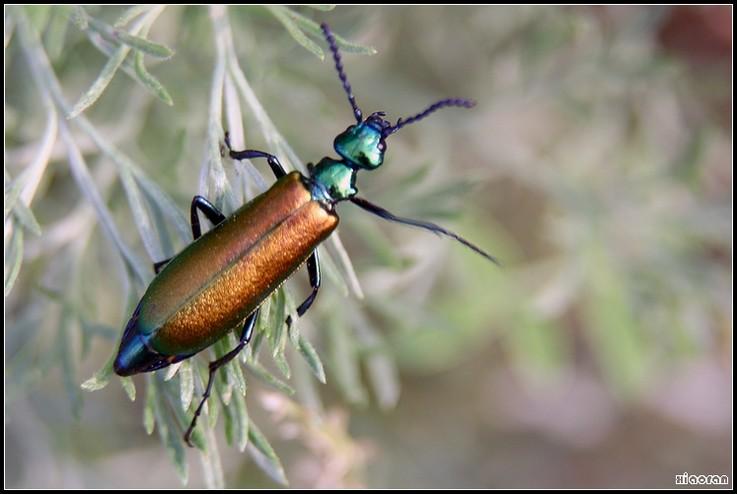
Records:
x=208, y=209
x=246, y=334
x=313, y=269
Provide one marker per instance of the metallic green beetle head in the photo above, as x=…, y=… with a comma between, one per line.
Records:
x=363, y=145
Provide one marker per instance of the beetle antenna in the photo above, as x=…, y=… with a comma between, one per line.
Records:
x=339, y=67
x=460, y=102
x=383, y=213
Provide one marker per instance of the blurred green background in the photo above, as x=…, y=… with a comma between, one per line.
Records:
x=597, y=165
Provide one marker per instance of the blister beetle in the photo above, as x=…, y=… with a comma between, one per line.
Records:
x=222, y=278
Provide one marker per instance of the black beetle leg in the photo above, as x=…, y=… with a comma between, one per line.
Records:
x=246, y=334
x=158, y=266
x=213, y=214
x=247, y=154
x=313, y=269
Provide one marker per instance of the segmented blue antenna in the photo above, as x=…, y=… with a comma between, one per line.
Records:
x=460, y=102
x=339, y=67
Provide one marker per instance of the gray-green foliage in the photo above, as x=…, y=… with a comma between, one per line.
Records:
x=170, y=395
x=590, y=167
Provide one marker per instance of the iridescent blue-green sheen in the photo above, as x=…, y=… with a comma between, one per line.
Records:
x=132, y=355
x=361, y=145
x=333, y=181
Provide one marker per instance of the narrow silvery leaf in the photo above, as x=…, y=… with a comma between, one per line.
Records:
x=281, y=362
x=129, y=387
x=281, y=14
x=229, y=424
x=102, y=81
x=243, y=422
x=172, y=370
x=13, y=259
x=151, y=82
x=12, y=193
x=167, y=206
x=175, y=446
x=148, y=80
x=268, y=378
x=156, y=50
x=321, y=8
x=278, y=318
x=25, y=217
x=384, y=379
x=240, y=380
x=89, y=189
x=140, y=215
x=314, y=29
x=168, y=431
x=264, y=456
x=130, y=14
x=57, y=30
x=113, y=64
x=312, y=358
x=120, y=36
x=101, y=377
x=186, y=384
x=148, y=409
x=38, y=15
x=79, y=18
x=345, y=364
x=68, y=362
x=382, y=372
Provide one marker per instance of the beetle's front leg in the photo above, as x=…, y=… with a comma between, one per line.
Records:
x=247, y=154
x=313, y=269
x=209, y=210
x=246, y=334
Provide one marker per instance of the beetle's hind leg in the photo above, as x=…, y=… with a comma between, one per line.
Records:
x=208, y=209
x=246, y=334
x=313, y=269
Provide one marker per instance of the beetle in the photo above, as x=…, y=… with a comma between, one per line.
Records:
x=225, y=274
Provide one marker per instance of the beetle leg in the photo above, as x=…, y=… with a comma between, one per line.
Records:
x=246, y=334
x=247, y=154
x=313, y=269
x=213, y=214
x=158, y=266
